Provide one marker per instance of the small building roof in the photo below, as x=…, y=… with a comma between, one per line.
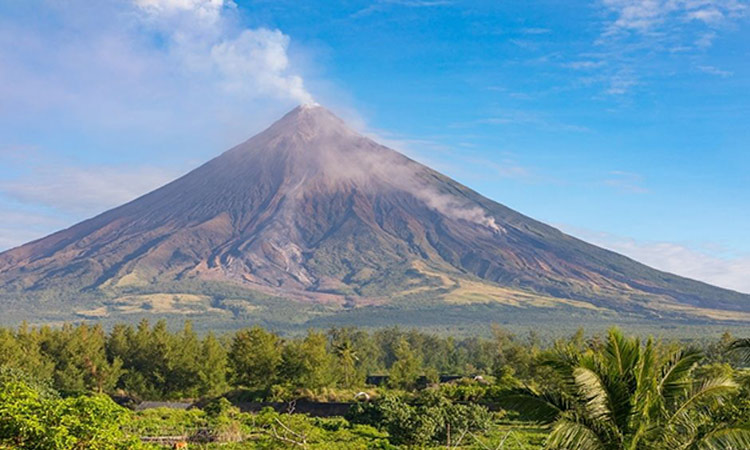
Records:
x=169, y=405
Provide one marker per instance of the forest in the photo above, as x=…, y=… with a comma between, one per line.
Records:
x=84, y=387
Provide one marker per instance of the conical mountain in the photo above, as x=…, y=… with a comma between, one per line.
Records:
x=311, y=211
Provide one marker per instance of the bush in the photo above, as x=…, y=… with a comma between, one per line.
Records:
x=32, y=418
x=281, y=430
x=428, y=420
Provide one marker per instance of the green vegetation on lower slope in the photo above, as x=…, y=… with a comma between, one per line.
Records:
x=468, y=309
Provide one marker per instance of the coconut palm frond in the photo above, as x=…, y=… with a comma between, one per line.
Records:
x=644, y=399
x=542, y=407
x=710, y=390
x=618, y=366
x=646, y=370
x=724, y=439
x=621, y=353
x=571, y=435
x=561, y=359
x=741, y=348
x=675, y=375
x=594, y=394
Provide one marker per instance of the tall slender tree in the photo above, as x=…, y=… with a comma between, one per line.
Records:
x=254, y=358
x=212, y=367
x=347, y=362
x=405, y=370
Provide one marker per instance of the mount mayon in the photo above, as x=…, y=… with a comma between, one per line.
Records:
x=314, y=219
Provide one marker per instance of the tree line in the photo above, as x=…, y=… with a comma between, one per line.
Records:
x=149, y=361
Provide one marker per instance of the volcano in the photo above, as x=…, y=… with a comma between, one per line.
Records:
x=309, y=212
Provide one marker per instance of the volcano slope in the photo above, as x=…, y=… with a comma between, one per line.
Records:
x=310, y=219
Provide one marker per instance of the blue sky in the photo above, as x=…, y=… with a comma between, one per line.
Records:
x=624, y=122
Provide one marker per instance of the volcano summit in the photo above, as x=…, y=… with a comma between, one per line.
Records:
x=317, y=220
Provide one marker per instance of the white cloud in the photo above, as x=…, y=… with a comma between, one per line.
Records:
x=585, y=65
x=729, y=272
x=146, y=64
x=83, y=190
x=418, y=3
x=637, y=35
x=621, y=82
x=535, y=118
x=626, y=182
x=11, y=237
x=711, y=70
x=203, y=37
x=638, y=14
x=536, y=31
x=705, y=40
x=19, y=227
x=509, y=169
x=381, y=5
x=42, y=194
x=708, y=15
x=207, y=9
x=647, y=15
x=45, y=188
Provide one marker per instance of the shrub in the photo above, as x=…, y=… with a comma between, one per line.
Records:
x=427, y=420
x=32, y=418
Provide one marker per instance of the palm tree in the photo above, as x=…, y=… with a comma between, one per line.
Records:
x=741, y=348
x=348, y=359
x=625, y=395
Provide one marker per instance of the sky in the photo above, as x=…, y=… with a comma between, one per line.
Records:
x=622, y=122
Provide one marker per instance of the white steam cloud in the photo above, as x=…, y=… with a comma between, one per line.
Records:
x=202, y=37
x=453, y=207
x=340, y=155
x=238, y=61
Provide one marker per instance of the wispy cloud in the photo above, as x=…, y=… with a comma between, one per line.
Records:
x=83, y=190
x=533, y=118
x=705, y=40
x=647, y=15
x=382, y=5
x=710, y=15
x=585, y=65
x=637, y=34
x=19, y=227
x=534, y=31
x=507, y=167
x=697, y=263
x=511, y=169
x=711, y=70
x=626, y=182
x=41, y=193
x=418, y=3
x=208, y=11
x=621, y=82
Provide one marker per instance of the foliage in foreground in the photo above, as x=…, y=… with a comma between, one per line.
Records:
x=33, y=417
x=429, y=420
x=629, y=395
x=599, y=393
x=223, y=426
